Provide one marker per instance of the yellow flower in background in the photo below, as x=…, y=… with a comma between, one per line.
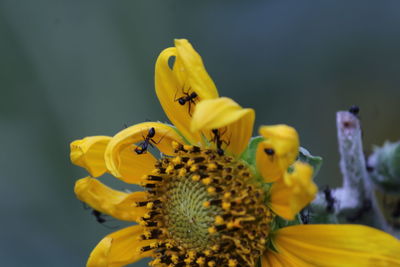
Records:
x=204, y=204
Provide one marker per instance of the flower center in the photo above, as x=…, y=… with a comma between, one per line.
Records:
x=206, y=210
x=186, y=218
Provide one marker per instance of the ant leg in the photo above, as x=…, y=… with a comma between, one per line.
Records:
x=226, y=142
x=157, y=142
x=190, y=104
x=222, y=133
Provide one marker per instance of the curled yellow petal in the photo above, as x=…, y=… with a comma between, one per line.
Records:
x=336, y=245
x=292, y=193
x=235, y=124
x=181, y=87
x=277, y=152
x=120, y=248
x=125, y=163
x=89, y=154
x=102, y=198
x=193, y=67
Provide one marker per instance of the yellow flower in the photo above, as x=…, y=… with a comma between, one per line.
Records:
x=203, y=203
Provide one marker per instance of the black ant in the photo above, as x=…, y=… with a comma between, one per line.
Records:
x=148, y=140
x=305, y=215
x=100, y=217
x=187, y=98
x=270, y=152
x=330, y=200
x=217, y=140
x=354, y=110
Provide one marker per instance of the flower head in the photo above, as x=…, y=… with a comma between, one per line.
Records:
x=204, y=203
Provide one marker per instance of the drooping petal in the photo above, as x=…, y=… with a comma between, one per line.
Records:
x=125, y=163
x=288, y=196
x=336, y=245
x=89, y=154
x=102, y=198
x=277, y=152
x=235, y=124
x=186, y=77
x=120, y=248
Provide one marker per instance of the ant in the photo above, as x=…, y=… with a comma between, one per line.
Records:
x=305, y=216
x=187, y=98
x=330, y=200
x=148, y=140
x=354, y=110
x=217, y=140
x=100, y=217
x=270, y=152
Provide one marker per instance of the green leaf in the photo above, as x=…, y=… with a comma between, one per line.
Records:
x=314, y=161
x=249, y=155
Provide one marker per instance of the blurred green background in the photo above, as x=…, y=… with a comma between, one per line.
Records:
x=70, y=69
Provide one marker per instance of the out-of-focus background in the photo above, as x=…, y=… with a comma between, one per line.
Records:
x=70, y=69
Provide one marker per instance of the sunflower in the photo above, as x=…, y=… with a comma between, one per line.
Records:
x=214, y=196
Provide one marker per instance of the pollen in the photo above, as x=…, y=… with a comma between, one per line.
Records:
x=204, y=211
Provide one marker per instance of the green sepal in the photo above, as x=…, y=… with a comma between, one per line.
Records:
x=249, y=155
x=279, y=222
x=314, y=161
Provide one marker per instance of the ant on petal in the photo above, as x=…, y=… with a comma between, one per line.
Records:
x=187, y=98
x=147, y=140
x=270, y=152
x=218, y=141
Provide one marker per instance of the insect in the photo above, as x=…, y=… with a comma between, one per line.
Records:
x=99, y=216
x=101, y=219
x=187, y=98
x=270, y=152
x=218, y=141
x=147, y=140
x=330, y=200
x=305, y=215
x=354, y=110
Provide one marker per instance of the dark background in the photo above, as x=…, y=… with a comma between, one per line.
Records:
x=70, y=69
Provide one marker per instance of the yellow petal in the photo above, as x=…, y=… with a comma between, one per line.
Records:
x=187, y=76
x=337, y=245
x=196, y=73
x=121, y=159
x=89, y=154
x=235, y=123
x=274, y=259
x=118, y=204
x=292, y=193
x=120, y=248
x=277, y=152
